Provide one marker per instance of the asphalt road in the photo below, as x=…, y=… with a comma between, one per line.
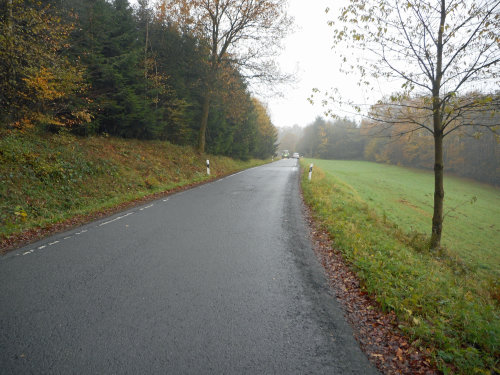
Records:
x=219, y=279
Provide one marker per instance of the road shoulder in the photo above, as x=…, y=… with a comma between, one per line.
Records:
x=376, y=332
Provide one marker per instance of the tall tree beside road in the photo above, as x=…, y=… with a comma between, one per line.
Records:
x=242, y=33
x=267, y=134
x=109, y=44
x=439, y=50
x=39, y=83
x=102, y=66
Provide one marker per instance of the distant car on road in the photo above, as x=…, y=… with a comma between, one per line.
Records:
x=296, y=155
x=285, y=154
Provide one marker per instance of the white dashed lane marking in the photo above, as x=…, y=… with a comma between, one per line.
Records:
x=115, y=219
x=86, y=230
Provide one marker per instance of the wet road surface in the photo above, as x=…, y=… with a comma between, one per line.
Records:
x=219, y=279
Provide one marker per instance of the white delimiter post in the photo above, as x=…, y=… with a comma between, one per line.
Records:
x=310, y=171
x=208, y=167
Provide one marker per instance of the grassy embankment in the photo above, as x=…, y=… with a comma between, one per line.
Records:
x=379, y=217
x=47, y=179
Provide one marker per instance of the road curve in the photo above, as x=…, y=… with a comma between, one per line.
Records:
x=219, y=279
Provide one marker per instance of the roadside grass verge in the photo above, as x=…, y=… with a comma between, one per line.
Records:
x=404, y=196
x=443, y=305
x=47, y=179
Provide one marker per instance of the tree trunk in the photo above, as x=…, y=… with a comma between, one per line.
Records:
x=204, y=121
x=437, y=218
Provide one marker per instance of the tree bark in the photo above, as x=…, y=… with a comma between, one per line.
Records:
x=204, y=121
x=437, y=218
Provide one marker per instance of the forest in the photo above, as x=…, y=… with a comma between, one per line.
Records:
x=105, y=67
x=470, y=152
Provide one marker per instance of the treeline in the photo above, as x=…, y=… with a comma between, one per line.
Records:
x=100, y=66
x=473, y=153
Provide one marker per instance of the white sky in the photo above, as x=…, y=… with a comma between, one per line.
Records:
x=308, y=51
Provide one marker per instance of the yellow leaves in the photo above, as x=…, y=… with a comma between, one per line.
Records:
x=39, y=81
x=83, y=116
x=44, y=84
x=263, y=118
x=20, y=213
x=24, y=124
x=45, y=118
x=468, y=296
x=177, y=11
x=161, y=12
x=51, y=87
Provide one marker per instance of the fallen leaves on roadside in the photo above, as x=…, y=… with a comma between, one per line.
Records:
x=377, y=332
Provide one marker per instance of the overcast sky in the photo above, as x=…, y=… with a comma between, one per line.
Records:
x=308, y=51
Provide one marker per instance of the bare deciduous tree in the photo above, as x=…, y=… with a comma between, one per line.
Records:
x=446, y=55
x=240, y=33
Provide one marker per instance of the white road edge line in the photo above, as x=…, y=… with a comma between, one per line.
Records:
x=151, y=205
x=118, y=218
x=53, y=243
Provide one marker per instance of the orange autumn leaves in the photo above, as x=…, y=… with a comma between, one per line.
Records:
x=39, y=83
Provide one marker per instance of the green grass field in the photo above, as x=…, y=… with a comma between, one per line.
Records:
x=404, y=196
x=447, y=301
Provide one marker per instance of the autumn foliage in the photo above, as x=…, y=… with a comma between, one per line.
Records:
x=38, y=83
x=103, y=67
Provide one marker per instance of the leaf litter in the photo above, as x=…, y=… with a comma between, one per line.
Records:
x=376, y=331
